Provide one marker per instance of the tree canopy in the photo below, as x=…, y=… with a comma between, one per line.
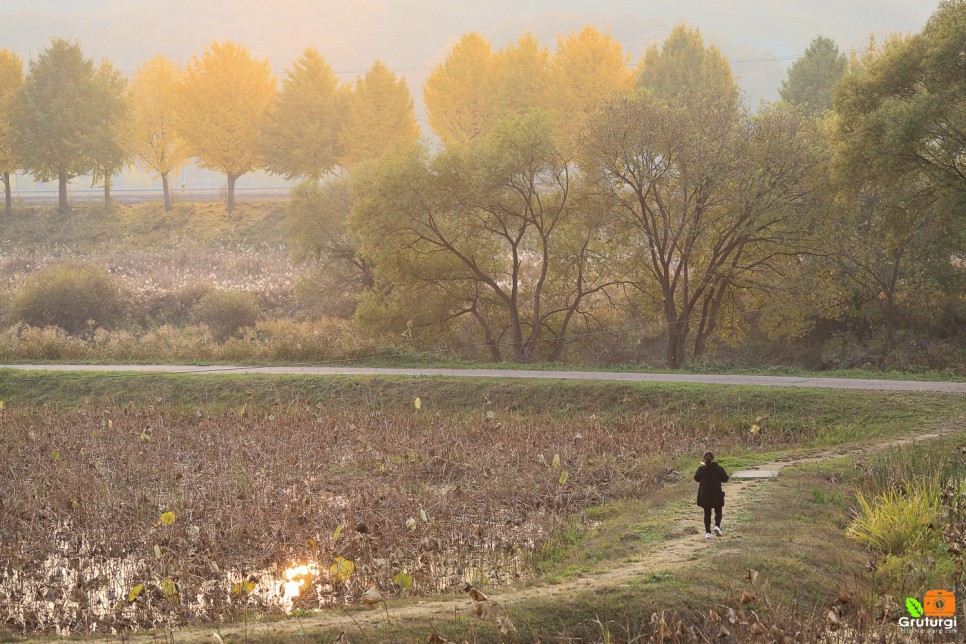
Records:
x=812, y=78
x=11, y=80
x=684, y=65
x=149, y=134
x=225, y=102
x=380, y=116
x=302, y=137
x=55, y=116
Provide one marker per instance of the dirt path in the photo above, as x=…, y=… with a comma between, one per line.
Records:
x=677, y=551
x=615, y=376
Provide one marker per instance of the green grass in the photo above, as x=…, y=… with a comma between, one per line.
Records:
x=803, y=558
x=834, y=416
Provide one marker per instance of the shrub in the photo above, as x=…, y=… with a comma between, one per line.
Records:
x=68, y=296
x=225, y=312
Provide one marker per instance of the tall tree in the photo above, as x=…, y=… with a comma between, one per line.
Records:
x=225, y=102
x=149, y=134
x=904, y=108
x=302, y=137
x=109, y=106
x=588, y=68
x=496, y=231
x=812, y=78
x=709, y=200
x=317, y=221
x=456, y=93
x=55, y=116
x=683, y=64
x=519, y=79
x=11, y=80
x=380, y=116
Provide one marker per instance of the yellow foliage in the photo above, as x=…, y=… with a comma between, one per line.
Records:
x=588, y=69
x=456, y=93
x=380, y=116
x=168, y=518
x=519, y=79
x=225, y=101
x=342, y=569
x=149, y=132
x=11, y=78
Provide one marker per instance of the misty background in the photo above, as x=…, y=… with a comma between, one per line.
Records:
x=760, y=38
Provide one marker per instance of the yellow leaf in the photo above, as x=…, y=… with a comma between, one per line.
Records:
x=555, y=464
x=168, y=518
x=157, y=551
x=419, y=403
x=338, y=531
x=110, y=424
x=342, y=569
x=244, y=587
x=133, y=595
x=2, y=405
x=170, y=589
x=563, y=477
x=54, y=454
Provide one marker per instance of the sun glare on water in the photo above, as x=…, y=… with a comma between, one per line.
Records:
x=296, y=578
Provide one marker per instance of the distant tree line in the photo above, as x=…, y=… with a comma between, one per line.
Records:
x=571, y=196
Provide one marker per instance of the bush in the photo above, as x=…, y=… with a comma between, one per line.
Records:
x=225, y=312
x=69, y=296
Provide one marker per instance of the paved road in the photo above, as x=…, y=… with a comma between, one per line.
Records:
x=772, y=381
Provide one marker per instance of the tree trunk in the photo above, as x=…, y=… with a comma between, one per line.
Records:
x=62, y=192
x=677, y=333
x=107, y=192
x=699, y=343
x=230, y=207
x=166, y=191
x=7, y=194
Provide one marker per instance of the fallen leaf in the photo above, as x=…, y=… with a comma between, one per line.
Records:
x=418, y=403
x=751, y=575
x=723, y=632
x=371, y=596
x=746, y=597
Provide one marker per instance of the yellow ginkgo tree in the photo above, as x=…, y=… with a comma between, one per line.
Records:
x=11, y=79
x=380, y=116
x=456, y=92
x=149, y=134
x=225, y=101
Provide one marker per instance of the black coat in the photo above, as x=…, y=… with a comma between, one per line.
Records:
x=710, y=478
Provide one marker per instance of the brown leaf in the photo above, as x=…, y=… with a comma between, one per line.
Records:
x=751, y=575
x=713, y=617
x=342, y=638
x=434, y=638
x=844, y=597
x=723, y=632
x=758, y=629
x=746, y=597
x=371, y=596
x=476, y=595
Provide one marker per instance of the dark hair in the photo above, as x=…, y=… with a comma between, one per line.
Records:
x=707, y=454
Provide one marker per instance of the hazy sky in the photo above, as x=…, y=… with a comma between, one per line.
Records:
x=411, y=36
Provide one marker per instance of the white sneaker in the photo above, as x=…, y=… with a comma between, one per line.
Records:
x=707, y=536
x=717, y=531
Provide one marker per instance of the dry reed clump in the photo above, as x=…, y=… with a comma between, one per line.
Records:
x=273, y=339
x=127, y=517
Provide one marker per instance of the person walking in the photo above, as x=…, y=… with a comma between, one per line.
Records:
x=710, y=476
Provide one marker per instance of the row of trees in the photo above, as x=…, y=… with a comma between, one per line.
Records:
x=69, y=117
x=667, y=202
